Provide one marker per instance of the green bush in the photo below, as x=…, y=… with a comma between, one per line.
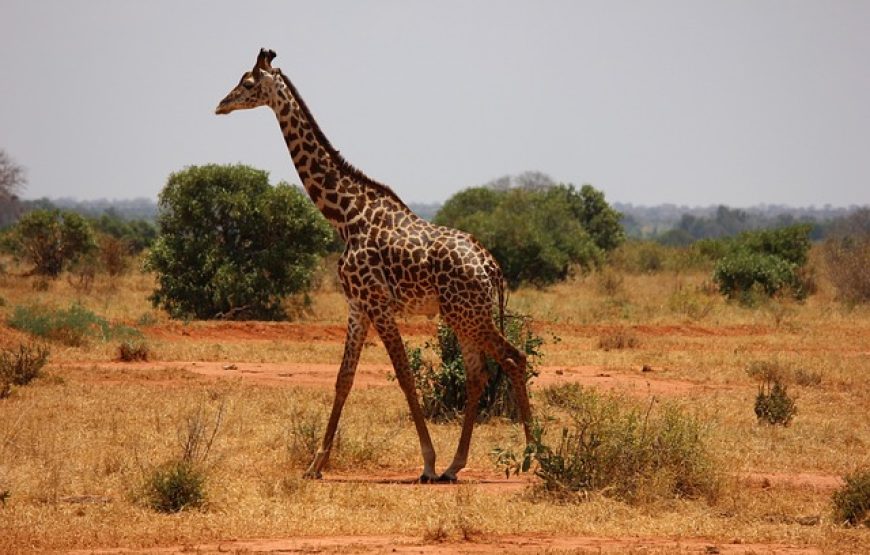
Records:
x=621, y=449
x=50, y=240
x=73, y=326
x=767, y=262
x=231, y=246
x=852, y=501
x=176, y=485
x=442, y=386
x=20, y=367
x=773, y=403
x=537, y=236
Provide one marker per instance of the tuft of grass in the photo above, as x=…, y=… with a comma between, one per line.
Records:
x=20, y=367
x=131, y=351
x=774, y=405
x=620, y=338
x=176, y=485
x=180, y=483
x=852, y=501
x=620, y=449
x=73, y=326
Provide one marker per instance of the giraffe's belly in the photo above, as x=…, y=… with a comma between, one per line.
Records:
x=419, y=306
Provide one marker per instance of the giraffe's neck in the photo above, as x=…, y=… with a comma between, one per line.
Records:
x=341, y=192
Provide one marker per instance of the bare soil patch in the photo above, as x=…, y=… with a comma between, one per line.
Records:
x=531, y=543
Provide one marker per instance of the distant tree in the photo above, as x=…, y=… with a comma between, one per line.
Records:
x=847, y=255
x=232, y=246
x=51, y=240
x=12, y=177
x=12, y=180
x=537, y=235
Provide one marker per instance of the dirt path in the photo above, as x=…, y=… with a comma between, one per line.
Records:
x=634, y=382
x=532, y=543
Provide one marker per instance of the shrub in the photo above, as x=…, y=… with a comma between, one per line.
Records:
x=113, y=255
x=765, y=262
x=852, y=501
x=50, y=240
x=231, y=246
x=442, y=387
x=620, y=338
x=73, y=326
x=773, y=404
x=179, y=483
x=847, y=256
x=130, y=351
x=176, y=485
x=620, y=449
x=21, y=366
x=743, y=273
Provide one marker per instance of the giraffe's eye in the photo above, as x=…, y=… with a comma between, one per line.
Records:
x=248, y=84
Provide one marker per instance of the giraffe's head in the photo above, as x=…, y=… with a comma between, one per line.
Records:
x=256, y=87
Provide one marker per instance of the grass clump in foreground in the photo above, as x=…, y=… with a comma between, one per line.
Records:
x=620, y=449
x=852, y=501
x=179, y=483
x=20, y=367
x=73, y=326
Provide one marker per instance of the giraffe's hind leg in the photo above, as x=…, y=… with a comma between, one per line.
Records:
x=513, y=362
x=475, y=381
x=357, y=329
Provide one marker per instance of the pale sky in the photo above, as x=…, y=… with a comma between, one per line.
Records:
x=687, y=102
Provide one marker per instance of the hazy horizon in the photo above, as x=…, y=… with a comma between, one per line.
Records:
x=677, y=102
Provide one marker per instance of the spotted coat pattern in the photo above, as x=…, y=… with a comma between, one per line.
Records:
x=394, y=263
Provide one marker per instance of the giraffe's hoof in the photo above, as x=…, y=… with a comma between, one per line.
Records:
x=312, y=475
x=447, y=479
x=426, y=479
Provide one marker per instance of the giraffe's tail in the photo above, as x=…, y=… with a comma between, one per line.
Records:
x=502, y=300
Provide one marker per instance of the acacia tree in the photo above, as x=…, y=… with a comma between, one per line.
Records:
x=232, y=246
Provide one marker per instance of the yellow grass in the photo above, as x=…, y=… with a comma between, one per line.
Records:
x=76, y=445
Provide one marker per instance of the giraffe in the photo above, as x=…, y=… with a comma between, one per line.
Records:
x=394, y=263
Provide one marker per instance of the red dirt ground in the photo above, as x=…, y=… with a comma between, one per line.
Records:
x=632, y=382
x=531, y=543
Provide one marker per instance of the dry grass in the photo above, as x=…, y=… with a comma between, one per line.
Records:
x=76, y=444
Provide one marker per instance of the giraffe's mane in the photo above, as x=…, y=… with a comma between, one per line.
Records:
x=346, y=167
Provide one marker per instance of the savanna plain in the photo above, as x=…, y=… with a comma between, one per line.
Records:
x=250, y=399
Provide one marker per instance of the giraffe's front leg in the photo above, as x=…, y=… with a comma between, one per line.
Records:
x=357, y=329
x=385, y=324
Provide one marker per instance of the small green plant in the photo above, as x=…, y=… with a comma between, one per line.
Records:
x=20, y=367
x=852, y=501
x=442, y=387
x=179, y=483
x=620, y=338
x=73, y=326
x=131, y=351
x=773, y=403
x=621, y=449
x=176, y=485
